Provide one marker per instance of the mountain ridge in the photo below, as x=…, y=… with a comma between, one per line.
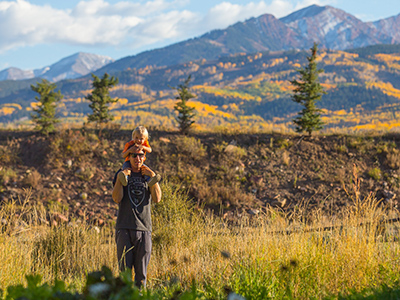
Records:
x=70, y=67
x=298, y=30
x=330, y=27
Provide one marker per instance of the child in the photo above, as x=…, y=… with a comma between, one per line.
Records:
x=140, y=137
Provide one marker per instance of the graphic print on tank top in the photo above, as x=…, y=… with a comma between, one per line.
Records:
x=136, y=190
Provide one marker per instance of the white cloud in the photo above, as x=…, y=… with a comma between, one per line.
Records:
x=124, y=23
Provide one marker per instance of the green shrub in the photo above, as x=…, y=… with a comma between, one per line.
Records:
x=7, y=175
x=375, y=173
x=174, y=218
x=191, y=147
x=9, y=153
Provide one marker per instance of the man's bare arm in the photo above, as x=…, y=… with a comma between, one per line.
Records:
x=118, y=192
x=155, y=192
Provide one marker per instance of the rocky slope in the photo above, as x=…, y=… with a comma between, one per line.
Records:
x=233, y=175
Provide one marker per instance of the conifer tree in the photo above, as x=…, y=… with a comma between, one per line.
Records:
x=185, y=112
x=307, y=92
x=100, y=98
x=45, y=117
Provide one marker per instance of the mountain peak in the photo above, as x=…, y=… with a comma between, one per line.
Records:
x=333, y=28
x=73, y=66
x=307, y=12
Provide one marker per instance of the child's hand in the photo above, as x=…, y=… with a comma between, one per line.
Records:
x=132, y=149
x=127, y=172
x=146, y=171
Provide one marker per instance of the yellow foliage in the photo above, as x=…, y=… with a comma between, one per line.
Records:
x=227, y=93
x=15, y=105
x=204, y=109
x=328, y=86
x=385, y=87
x=211, y=70
x=341, y=112
x=133, y=87
x=34, y=105
x=6, y=111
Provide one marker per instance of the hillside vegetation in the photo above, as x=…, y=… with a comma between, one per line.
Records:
x=232, y=174
x=264, y=215
x=242, y=90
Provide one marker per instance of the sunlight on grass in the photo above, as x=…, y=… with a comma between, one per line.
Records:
x=268, y=255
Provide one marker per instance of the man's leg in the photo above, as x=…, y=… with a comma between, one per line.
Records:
x=142, y=253
x=124, y=249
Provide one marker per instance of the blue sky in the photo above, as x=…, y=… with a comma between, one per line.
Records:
x=38, y=33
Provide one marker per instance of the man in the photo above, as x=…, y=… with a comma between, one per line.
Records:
x=133, y=228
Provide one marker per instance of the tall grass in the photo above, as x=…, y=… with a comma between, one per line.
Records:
x=270, y=255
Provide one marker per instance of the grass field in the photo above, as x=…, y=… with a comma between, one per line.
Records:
x=259, y=257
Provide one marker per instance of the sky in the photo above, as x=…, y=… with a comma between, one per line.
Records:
x=37, y=33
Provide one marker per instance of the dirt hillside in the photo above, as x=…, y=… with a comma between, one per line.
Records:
x=71, y=172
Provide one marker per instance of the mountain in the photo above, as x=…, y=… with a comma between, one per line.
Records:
x=362, y=85
x=16, y=74
x=71, y=67
x=330, y=27
x=335, y=29
x=256, y=34
x=389, y=27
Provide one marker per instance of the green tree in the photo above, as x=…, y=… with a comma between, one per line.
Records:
x=100, y=98
x=45, y=117
x=307, y=92
x=185, y=112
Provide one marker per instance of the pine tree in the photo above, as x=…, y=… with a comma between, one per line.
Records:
x=307, y=92
x=185, y=112
x=100, y=98
x=45, y=117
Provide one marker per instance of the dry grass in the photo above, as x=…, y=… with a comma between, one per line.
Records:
x=267, y=255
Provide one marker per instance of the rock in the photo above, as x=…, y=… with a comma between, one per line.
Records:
x=60, y=218
x=253, y=212
x=278, y=201
x=233, y=296
x=302, y=188
x=68, y=163
x=257, y=179
x=80, y=170
x=388, y=195
x=165, y=140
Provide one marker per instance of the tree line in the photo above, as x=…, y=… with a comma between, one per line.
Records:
x=307, y=91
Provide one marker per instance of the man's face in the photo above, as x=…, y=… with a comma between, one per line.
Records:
x=137, y=159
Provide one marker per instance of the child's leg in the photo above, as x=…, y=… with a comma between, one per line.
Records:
x=153, y=180
x=123, y=177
